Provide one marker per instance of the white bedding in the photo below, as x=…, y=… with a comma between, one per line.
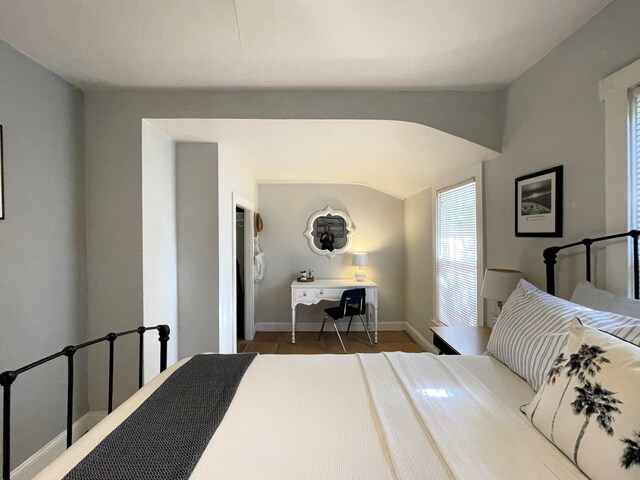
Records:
x=371, y=416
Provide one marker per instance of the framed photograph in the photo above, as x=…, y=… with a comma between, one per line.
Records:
x=539, y=204
x=1, y=177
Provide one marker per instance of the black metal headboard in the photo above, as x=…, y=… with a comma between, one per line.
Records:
x=551, y=253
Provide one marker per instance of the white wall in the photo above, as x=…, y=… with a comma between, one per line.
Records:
x=554, y=117
x=418, y=213
x=198, y=271
x=233, y=177
x=379, y=224
x=43, y=298
x=159, y=246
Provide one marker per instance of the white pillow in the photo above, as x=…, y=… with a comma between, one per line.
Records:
x=589, y=296
x=589, y=404
x=532, y=328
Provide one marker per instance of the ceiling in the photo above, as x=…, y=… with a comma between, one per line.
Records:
x=422, y=44
x=399, y=158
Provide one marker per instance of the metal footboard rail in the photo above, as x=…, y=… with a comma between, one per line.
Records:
x=550, y=254
x=9, y=377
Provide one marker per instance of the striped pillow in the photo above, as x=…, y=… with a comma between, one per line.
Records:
x=531, y=330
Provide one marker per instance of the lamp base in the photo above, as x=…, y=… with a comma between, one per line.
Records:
x=360, y=276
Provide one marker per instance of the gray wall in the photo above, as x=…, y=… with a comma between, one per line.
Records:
x=554, y=117
x=379, y=223
x=43, y=301
x=197, y=200
x=418, y=234
x=113, y=176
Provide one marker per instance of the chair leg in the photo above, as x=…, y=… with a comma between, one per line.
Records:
x=366, y=330
x=349, y=326
x=339, y=337
x=322, y=328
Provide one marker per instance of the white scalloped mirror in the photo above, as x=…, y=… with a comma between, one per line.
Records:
x=329, y=232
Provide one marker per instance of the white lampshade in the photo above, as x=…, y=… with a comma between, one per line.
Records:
x=360, y=260
x=499, y=283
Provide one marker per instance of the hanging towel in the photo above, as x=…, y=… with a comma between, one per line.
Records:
x=258, y=263
x=259, y=267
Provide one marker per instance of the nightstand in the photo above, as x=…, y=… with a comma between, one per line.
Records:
x=461, y=340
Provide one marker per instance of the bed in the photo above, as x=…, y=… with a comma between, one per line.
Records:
x=369, y=416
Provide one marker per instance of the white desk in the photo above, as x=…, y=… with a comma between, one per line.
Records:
x=309, y=293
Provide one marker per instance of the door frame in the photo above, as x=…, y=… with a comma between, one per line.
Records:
x=238, y=200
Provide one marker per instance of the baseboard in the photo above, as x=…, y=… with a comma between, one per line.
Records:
x=52, y=450
x=417, y=337
x=315, y=326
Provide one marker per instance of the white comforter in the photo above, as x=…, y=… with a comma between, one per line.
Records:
x=370, y=416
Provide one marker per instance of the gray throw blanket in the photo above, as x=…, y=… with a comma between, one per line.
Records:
x=165, y=437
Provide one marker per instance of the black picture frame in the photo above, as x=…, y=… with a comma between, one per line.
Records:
x=538, y=203
x=1, y=177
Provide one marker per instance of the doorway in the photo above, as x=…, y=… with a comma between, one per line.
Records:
x=243, y=285
x=240, y=276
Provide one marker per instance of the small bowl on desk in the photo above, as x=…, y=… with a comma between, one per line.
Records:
x=305, y=279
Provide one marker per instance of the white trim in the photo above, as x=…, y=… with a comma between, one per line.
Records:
x=474, y=172
x=615, y=91
x=238, y=200
x=436, y=323
x=624, y=79
x=417, y=337
x=315, y=326
x=52, y=450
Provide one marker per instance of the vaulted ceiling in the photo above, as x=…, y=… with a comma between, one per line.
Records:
x=422, y=44
x=399, y=158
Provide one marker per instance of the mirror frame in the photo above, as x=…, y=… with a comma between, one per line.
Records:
x=350, y=229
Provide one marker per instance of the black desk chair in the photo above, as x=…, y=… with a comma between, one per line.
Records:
x=352, y=303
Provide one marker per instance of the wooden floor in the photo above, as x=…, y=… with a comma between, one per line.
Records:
x=308, y=343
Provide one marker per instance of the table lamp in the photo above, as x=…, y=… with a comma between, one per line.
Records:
x=499, y=283
x=360, y=260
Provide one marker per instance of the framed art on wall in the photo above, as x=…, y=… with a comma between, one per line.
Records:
x=539, y=204
x=1, y=177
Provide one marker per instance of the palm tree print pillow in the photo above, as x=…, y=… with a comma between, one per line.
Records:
x=589, y=404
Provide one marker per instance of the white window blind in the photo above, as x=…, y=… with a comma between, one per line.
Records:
x=456, y=255
x=634, y=157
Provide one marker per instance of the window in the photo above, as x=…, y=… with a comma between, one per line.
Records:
x=457, y=255
x=621, y=159
x=634, y=159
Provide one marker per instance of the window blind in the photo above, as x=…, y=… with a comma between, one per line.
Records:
x=456, y=255
x=634, y=196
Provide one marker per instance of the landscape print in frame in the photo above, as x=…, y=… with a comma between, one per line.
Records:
x=539, y=204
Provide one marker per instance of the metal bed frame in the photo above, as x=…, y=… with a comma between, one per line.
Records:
x=8, y=378
x=551, y=253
